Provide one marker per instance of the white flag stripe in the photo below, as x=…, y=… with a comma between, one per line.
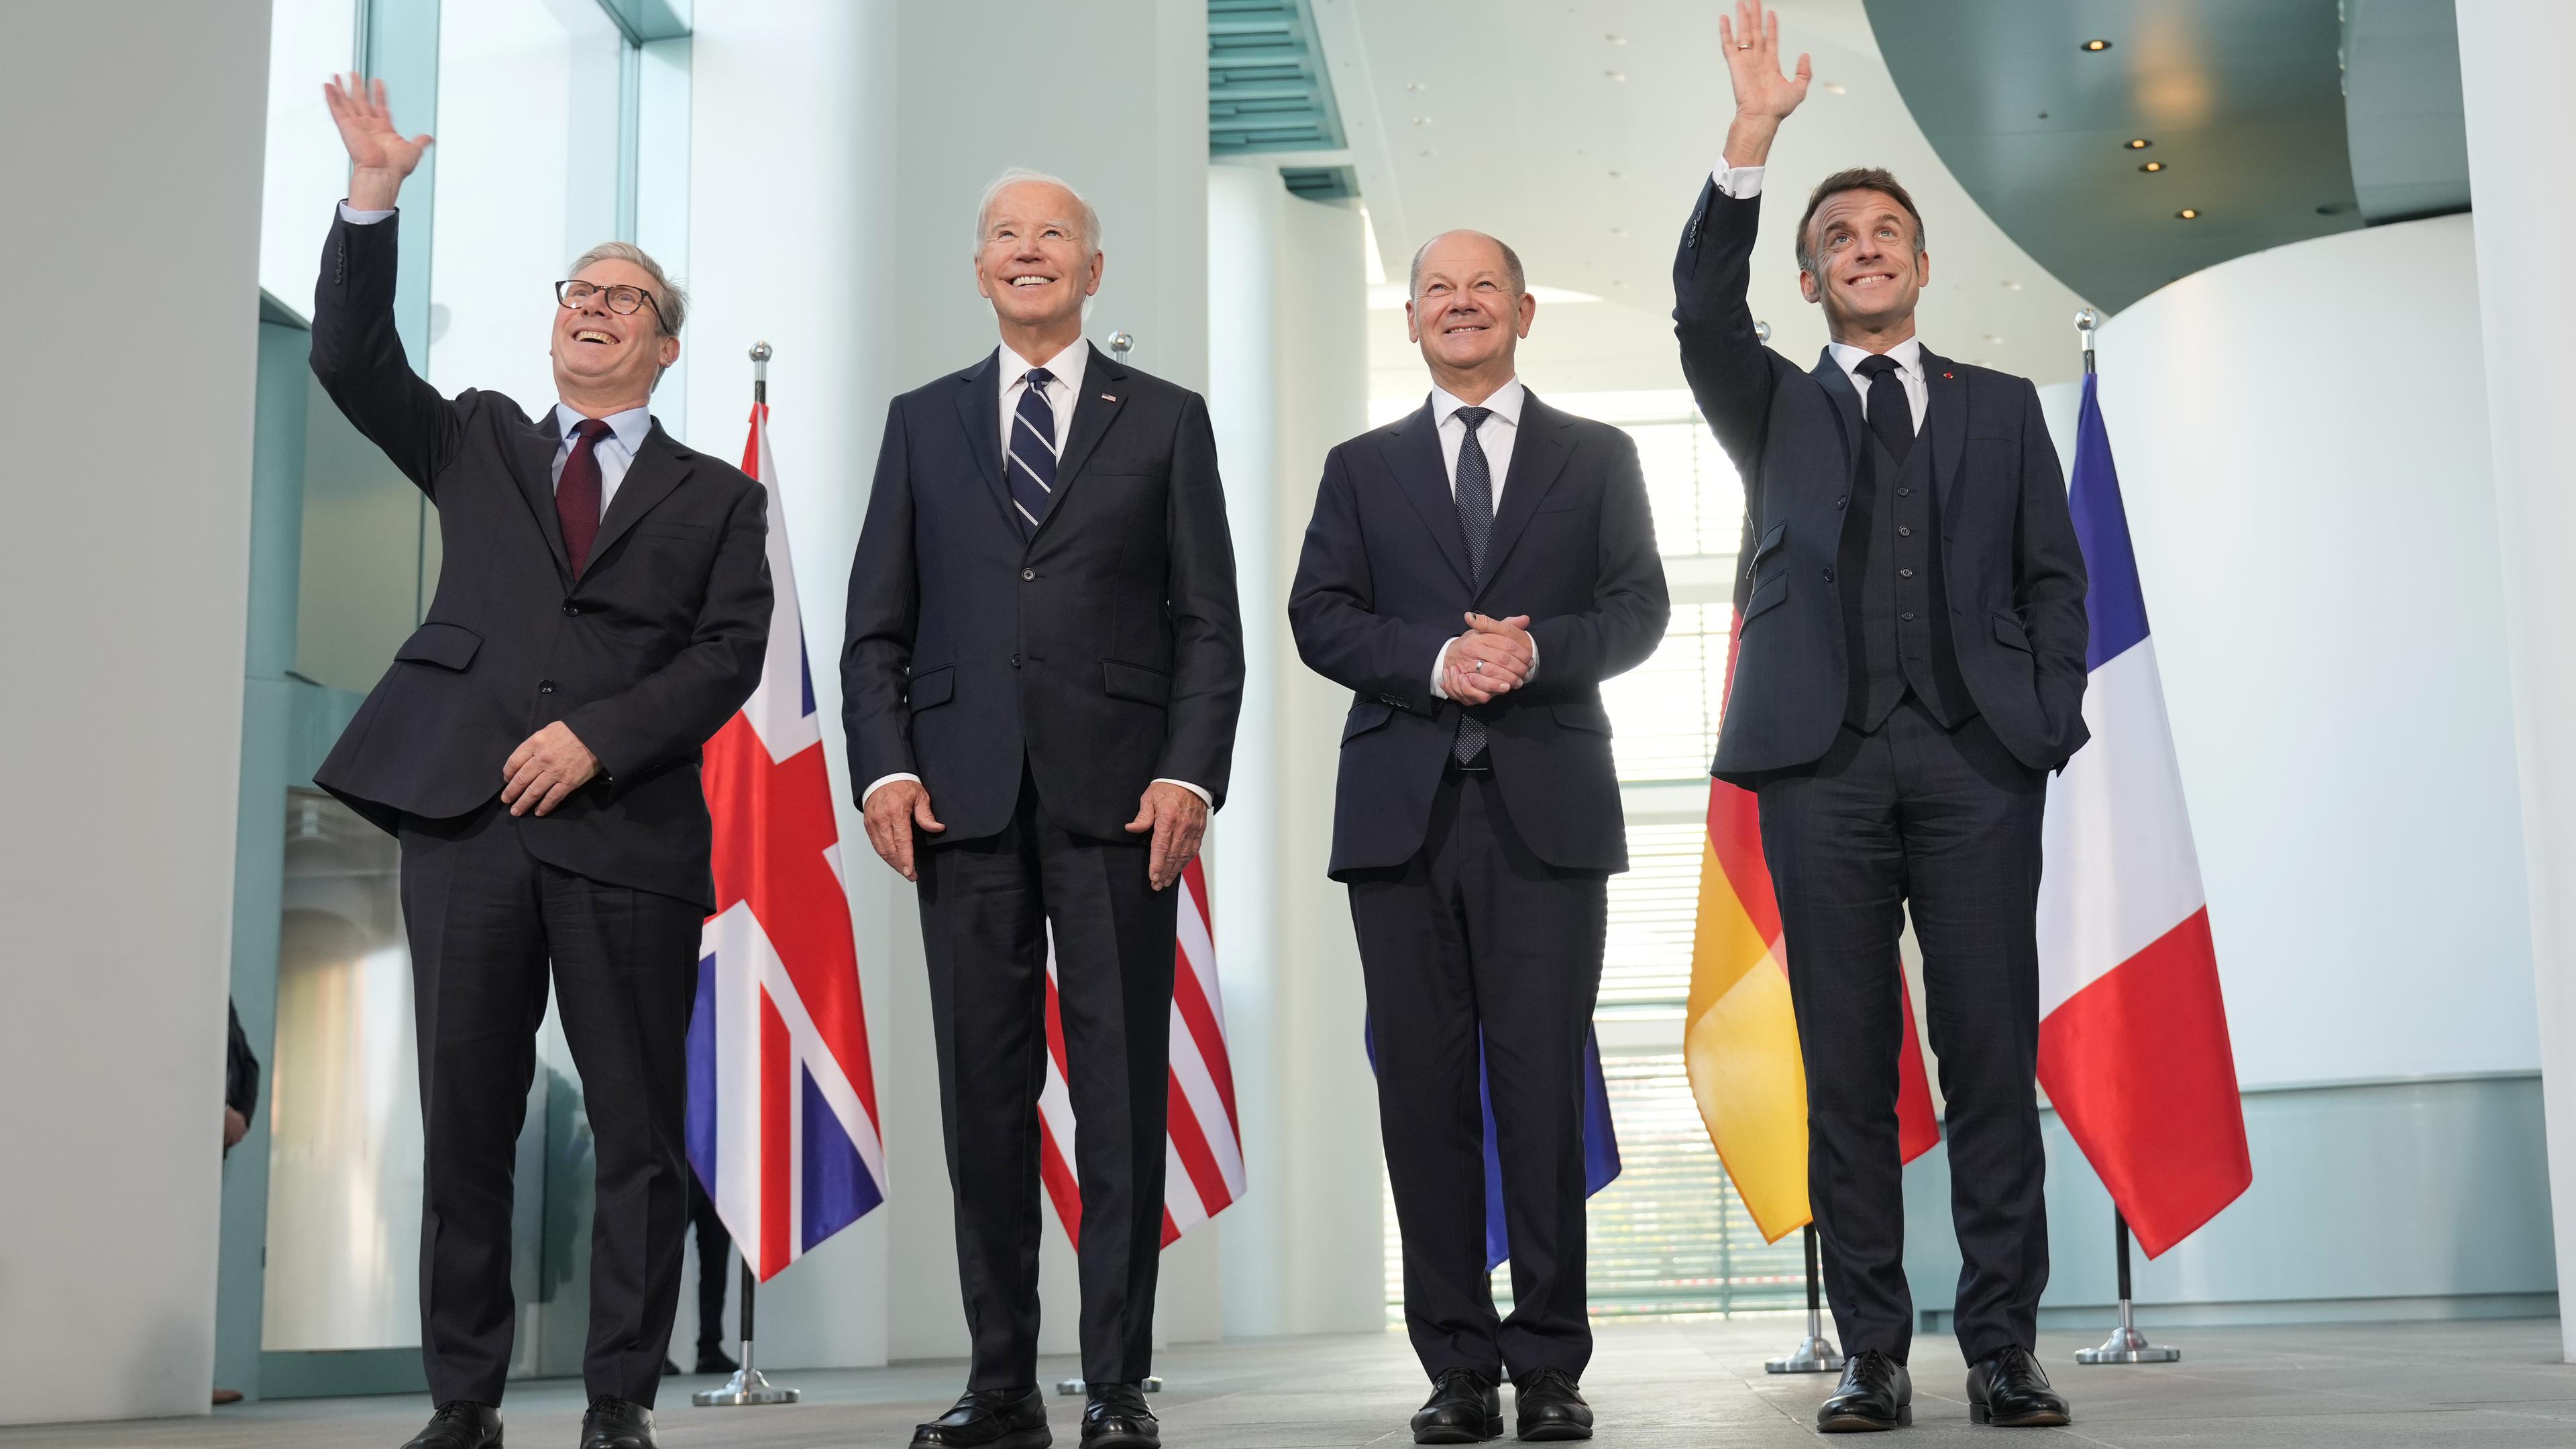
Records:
x=742, y=946
x=1180, y=1194
x=730, y=939
x=1198, y=955
x=1198, y=1088
x=2122, y=871
x=776, y=708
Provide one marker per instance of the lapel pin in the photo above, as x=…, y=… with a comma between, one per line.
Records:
x=1951, y=375
x=1105, y=397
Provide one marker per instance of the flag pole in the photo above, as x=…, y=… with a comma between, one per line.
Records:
x=748, y=1386
x=2126, y=1344
x=1815, y=1354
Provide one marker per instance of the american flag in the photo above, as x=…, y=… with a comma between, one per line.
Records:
x=783, y=1127
x=1203, y=1146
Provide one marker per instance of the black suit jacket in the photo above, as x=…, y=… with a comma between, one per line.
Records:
x=1106, y=652
x=1384, y=582
x=2010, y=563
x=643, y=659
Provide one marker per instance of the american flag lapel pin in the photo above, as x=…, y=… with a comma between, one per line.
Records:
x=1106, y=397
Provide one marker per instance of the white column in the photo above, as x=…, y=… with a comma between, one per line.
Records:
x=1304, y=1251
x=2520, y=112
x=128, y=369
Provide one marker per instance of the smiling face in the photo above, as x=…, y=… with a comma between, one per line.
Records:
x=603, y=354
x=1468, y=312
x=1034, y=263
x=1866, y=263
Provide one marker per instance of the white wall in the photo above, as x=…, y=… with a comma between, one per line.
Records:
x=126, y=582
x=1304, y=1252
x=2302, y=444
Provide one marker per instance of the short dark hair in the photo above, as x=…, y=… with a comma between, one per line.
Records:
x=1511, y=264
x=1857, y=178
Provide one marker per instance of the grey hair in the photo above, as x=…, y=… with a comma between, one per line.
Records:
x=1017, y=174
x=1511, y=265
x=670, y=304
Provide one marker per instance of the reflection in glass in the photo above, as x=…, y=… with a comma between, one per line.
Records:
x=344, y=1187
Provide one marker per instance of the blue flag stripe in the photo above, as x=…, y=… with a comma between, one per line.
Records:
x=2114, y=602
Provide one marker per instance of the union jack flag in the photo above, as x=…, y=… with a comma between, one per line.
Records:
x=1203, y=1144
x=783, y=1127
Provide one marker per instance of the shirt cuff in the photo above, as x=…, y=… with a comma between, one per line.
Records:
x=1204, y=797
x=355, y=217
x=1741, y=182
x=885, y=780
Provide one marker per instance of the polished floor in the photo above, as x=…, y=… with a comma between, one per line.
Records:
x=1670, y=1386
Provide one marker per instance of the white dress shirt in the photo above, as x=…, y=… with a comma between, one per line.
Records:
x=1744, y=183
x=1495, y=436
x=615, y=452
x=1065, y=370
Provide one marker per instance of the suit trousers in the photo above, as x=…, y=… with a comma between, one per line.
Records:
x=987, y=906
x=486, y=919
x=1945, y=824
x=1475, y=940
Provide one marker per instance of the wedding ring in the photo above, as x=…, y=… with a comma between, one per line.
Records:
x=1480, y=666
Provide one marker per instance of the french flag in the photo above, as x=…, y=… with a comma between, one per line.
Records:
x=782, y=1124
x=2133, y=1047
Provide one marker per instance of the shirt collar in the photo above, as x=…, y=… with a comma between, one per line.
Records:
x=630, y=426
x=1907, y=355
x=1066, y=366
x=1506, y=403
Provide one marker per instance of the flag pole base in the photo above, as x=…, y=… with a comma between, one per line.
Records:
x=748, y=1387
x=2127, y=1345
x=1813, y=1355
x=1074, y=1388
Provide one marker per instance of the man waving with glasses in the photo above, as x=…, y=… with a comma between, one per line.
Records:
x=602, y=608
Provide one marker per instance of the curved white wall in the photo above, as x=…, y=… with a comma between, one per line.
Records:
x=2302, y=442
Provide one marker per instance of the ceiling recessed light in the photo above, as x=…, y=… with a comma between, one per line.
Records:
x=1616, y=39
x=1835, y=87
x=1422, y=120
x=1415, y=86
x=2097, y=45
x=2189, y=213
x=2139, y=143
x=1614, y=75
x=2152, y=167
x=2011, y=286
x=1990, y=337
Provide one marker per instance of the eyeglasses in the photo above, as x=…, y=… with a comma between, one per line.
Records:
x=622, y=299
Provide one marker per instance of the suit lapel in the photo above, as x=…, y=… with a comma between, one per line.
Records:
x=1539, y=453
x=1945, y=422
x=660, y=466
x=1838, y=386
x=1412, y=453
x=532, y=461
x=979, y=410
x=1095, y=404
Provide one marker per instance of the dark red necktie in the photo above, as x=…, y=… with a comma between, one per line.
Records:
x=577, y=492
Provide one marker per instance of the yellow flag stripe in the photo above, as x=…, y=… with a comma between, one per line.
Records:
x=1740, y=1042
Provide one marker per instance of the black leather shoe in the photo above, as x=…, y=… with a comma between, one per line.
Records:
x=615, y=1423
x=1550, y=1406
x=1465, y=1408
x=993, y=1419
x=714, y=1360
x=460, y=1425
x=1115, y=1417
x=2007, y=1389
x=1876, y=1393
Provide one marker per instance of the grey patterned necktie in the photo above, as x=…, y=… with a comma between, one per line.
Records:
x=1475, y=521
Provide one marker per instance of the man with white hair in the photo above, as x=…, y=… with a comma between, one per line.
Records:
x=1040, y=681
x=602, y=610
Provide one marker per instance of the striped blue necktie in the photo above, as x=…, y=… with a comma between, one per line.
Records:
x=1032, y=460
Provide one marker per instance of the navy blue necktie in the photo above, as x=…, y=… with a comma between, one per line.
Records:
x=1476, y=521
x=1031, y=464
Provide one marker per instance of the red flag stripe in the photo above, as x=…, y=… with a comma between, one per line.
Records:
x=1208, y=1037
x=1189, y=1140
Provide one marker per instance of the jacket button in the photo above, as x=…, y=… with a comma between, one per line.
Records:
x=1907, y=617
x=572, y=608
x=1839, y=502
x=1904, y=492
x=1905, y=573
x=1829, y=576
x=545, y=686
x=1015, y=661
x=1028, y=573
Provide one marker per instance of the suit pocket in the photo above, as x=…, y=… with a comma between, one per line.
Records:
x=690, y=532
x=1583, y=714
x=935, y=687
x=2009, y=633
x=1136, y=682
x=1770, y=545
x=1366, y=715
x=449, y=646
x=1766, y=596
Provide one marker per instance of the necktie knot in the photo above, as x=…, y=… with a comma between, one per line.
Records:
x=1039, y=377
x=1876, y=366
x=1474, y=417
x=590, y=430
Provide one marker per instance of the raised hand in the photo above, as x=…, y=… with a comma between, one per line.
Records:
x=1764, y=94
x=379, y=155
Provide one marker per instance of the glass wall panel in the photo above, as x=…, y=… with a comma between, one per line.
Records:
x=307, y=170
x=527, y=179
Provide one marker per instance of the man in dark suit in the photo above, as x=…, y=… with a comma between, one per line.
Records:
x=602, y=609
x=1477, y=817
x=1041, y=678
x=1911, y=667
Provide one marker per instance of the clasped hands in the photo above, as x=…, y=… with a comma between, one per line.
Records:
x=1177, y=817
x=547, y=766
x=1494, y=657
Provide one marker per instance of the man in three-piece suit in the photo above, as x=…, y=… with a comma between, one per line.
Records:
x=1477, y=818
x=1910, y=668
x=602, y=609
x=1040, y=683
